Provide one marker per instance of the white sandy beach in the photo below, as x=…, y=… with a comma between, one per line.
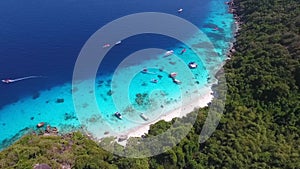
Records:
x=179, y=112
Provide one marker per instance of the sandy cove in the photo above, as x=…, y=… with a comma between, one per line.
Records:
x=179, y=112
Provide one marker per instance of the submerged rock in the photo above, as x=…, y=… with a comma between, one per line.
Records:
x=110, y=92
x=69, y=116
x=36, y=95
x=73, y=90
x=60, y=100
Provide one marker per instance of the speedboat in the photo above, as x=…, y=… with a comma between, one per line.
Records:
x=7, y=81
x=193, y=65
x=118, y=115
x=180, y=10
x=119, y=42
x=173, y=74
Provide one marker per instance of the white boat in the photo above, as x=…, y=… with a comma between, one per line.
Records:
x=41, y=124
x=180, y=10
x=119, y=42
x=168, y=53
x=144, y=117
x=176, y=81
x=173, y=74
x=154, y=80
x=7, y=81
x=193, y=65
x=117, y=114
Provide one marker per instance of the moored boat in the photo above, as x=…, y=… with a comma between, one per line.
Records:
x=106, y=45
x=173, y=74
x=145, y=70
x=168, y=53
x=41, y=124
x=118, y=115
x=154, y=80
x=193, y=65
x=176, y=81
x=143, y=116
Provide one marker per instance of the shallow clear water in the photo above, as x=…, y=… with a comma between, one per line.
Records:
x=46, y=37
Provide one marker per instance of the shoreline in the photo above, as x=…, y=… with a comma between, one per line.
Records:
x=179, y=112
x=232, y=9
x=195, y=103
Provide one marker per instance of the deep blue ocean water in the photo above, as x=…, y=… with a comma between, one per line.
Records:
x=45, y=37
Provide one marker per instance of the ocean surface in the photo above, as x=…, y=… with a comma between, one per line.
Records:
x=44, y=38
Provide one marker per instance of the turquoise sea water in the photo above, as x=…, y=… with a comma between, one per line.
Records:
x=158, y=98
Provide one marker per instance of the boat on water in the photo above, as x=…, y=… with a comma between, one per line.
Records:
x=19, y=79
x=119, y=42
x=106, y=45
x=183, y=50
x=193, y=65
x=144, y=70
x=41, y=124
x=143, y=116
x=173, y=74
x=7, y=81
x=176, y=81
x=180, y=10
x=154, y=80
x=168, y=53
x=118, y=115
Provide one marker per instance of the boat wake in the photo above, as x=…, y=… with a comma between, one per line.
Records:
x=20, y=79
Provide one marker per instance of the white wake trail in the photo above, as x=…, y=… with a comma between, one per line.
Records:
x=19, y=79
x=27, y=77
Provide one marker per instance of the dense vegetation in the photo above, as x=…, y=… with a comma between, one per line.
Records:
x=261, y=124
